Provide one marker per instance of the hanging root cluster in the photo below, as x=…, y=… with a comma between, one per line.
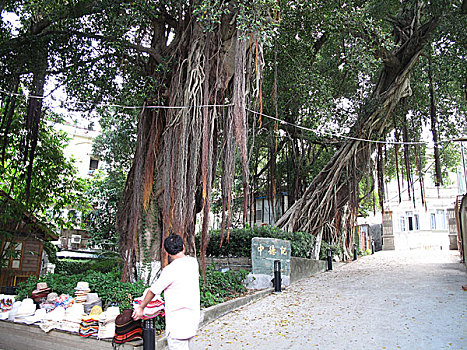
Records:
x=330, y=203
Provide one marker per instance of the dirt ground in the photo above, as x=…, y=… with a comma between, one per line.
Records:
x=390, y=300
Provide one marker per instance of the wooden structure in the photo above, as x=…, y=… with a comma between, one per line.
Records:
x=22, y=239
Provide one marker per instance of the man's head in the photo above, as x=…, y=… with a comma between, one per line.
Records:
x=173, y=244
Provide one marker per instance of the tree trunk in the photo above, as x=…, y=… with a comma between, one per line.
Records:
x=34, y=112
x=175, y=160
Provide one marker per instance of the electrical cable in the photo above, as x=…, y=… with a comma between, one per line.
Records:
x=318, y=132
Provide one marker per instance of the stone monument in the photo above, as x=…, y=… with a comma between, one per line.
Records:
x=264, y=251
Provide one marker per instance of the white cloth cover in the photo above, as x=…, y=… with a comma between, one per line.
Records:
x=37, y=317
x=74, y=313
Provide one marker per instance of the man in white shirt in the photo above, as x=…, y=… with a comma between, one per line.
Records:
x=180, y=282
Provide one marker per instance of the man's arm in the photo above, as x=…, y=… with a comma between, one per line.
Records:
x=164, y=280
x=139, y=309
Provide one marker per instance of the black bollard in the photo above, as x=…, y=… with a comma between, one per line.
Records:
x=149, y=335
x=277, y=276
x=372, y=246
x=329, y=259
x=355, y=252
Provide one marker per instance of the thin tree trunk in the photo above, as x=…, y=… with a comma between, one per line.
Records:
x=33, y=114
x=434, y=124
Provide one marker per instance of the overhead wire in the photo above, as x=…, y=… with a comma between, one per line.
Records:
x=105, y=104
x=348, y=137
x=318, y=132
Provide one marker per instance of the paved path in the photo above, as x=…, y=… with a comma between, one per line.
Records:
x=390, y=300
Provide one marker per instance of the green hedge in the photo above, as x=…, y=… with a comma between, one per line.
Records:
x=74, y=266
x=216, y=288
x=335, y=249
x=107, y=285
x=239, y=244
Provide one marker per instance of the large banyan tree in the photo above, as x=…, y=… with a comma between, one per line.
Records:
x=330, y=204
x=204, y=56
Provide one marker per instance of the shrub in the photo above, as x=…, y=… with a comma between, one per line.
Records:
x=335, y=249
x=74, y=266
x=218, y=286
x=239, y=243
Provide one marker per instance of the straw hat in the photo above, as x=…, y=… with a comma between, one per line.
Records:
x=14, y=311
x=95, y=312
x=69, y=326
x=51, y=297
x=41, y=287
x=156, y=307
x=82, y=286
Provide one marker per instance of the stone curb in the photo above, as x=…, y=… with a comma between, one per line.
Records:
x=214, y=312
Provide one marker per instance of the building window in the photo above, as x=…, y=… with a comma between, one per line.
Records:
x=417, y=222
x=410, y=221
x=14, y=256
x=440, y=219
x=258, y=215
x=93, y=165
x=433, y=221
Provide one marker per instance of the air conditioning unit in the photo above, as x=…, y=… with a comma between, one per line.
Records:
x=75, y=239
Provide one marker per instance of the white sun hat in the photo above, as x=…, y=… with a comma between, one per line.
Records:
x=27, y=308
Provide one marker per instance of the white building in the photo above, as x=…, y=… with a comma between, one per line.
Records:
x=416, y=224
x=80, y=148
